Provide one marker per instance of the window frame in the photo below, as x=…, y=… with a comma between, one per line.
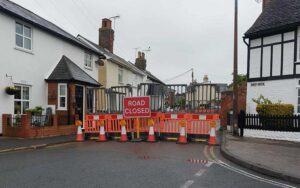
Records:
x=22, y=100
x=120, y=72
x=59, y=107
x=23, y=37
x=86, y=59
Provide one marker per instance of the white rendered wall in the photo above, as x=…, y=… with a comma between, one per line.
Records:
x=33, y=68
x=283, y=90
x=129, y=77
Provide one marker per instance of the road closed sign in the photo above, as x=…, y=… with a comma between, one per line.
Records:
x=137, y=107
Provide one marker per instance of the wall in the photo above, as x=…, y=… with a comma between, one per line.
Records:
x=32, y=68
x=28, y=131
x=226, y=102
x=129, y=77
x=277, y=90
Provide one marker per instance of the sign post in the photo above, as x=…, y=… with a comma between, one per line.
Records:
x=137, y=107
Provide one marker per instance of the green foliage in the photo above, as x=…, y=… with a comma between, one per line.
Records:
x=38, y=110
x=275, y=109
x=241, y=78
x=262, y=100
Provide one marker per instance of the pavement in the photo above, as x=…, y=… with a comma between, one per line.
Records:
x=279, y=159
x=8, y=144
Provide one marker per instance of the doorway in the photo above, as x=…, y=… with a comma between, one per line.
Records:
x=79, y=92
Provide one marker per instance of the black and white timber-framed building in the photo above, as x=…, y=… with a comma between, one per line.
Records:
x=273, y=68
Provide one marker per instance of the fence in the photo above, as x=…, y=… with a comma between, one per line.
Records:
x=175, y=98
x=272, y=123
x=165, y=124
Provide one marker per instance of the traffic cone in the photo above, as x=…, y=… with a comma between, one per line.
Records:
x=102, y=137
x=79, y=137
x=151, y=137
x=124, y=137
x=212, y=135
x=182, y=137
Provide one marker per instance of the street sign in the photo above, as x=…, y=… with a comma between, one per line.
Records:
x=137, y=107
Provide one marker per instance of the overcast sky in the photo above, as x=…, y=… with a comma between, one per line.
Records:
x=182, y=34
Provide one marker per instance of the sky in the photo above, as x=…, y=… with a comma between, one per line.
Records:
x=182, y=34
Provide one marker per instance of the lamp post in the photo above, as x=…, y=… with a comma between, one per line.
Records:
x=235, y=72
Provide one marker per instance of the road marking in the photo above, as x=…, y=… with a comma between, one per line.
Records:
x=206, y=154
x=187, y=184
x=200, y=172
x=209, y=164
x=242, y=172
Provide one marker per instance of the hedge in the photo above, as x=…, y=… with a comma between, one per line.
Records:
x=275, y=109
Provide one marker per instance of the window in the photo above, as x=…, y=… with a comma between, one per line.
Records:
x=21, y=99
x=88, y=59
x=62, y=96
x=120, y=75
x=23, y=36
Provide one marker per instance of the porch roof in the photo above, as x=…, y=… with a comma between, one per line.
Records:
x=68, y=71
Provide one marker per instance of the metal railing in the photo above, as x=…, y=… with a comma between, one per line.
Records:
x=41, y=120
x=272, y=123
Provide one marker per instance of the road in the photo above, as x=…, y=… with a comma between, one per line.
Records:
x=114, y=164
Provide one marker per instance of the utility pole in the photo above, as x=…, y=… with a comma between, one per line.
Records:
x=235, y=72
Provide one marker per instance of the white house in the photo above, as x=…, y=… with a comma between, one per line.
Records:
x=47, y=65
x=274, y=54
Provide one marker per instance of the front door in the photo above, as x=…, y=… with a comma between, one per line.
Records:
x=79, y=102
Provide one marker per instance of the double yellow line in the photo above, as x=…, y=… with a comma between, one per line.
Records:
x=209, y=153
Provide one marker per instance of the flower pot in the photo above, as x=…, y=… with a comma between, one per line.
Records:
x=10, y=90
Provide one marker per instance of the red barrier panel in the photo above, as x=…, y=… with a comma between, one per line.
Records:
x=164, y=123
x=92, y=123
x=169, y=123
x=144, y=128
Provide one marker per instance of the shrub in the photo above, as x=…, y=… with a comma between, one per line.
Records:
x=38, y=110
x=275, y=109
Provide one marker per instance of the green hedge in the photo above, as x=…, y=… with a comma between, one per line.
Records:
x=275, y=109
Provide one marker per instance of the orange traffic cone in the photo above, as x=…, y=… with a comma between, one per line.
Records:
x=182, y=137
x=151, y=137
x=102, y=137
x=212, y=135
x=79, y=136
x=124, y=137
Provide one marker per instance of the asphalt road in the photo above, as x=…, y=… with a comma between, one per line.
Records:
x=114, y=164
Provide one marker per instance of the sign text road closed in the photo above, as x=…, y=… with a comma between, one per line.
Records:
x=137, y=107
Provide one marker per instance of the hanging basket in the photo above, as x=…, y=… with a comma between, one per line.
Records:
x=10, y=90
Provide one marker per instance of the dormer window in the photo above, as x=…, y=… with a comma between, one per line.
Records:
x=88, y=59
x=23, y=36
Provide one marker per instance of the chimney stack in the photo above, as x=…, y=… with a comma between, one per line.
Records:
x=140, y=61
x=106, y=35
x=266, y=3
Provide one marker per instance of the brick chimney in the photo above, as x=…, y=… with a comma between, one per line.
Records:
x=106, y=35
x=265, y=3
x=140, y=61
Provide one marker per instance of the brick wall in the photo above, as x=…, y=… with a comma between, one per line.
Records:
x=226, y=102
x=26, y=130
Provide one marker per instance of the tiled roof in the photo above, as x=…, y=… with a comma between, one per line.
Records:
x=153, y=78
x=67, y=71
x=278, y=16
x=112, y=57
x=20, y=12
